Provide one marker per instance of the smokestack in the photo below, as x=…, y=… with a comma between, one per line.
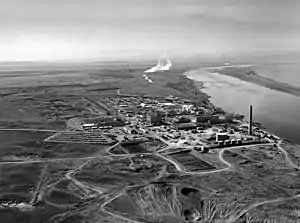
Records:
x=250, y=121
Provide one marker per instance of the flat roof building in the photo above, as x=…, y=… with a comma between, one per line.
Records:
x=221, y=136
x=154, y=117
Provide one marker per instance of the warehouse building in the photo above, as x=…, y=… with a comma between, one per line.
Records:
x=155, y=117
x=221, y=136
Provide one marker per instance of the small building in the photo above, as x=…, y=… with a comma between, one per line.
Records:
x=229, y=118
x=172, y=112
x=233, y=141
x=184, y=119
x=214, y=119
x=88, y=126
x=186, y=126
x=227, y=142
x=238, y=116
x=187, y=108
x=201, y=118
x=220, y=143
x=221, y=136
x=154, y=117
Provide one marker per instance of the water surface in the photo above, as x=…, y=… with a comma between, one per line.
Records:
x=276, y=111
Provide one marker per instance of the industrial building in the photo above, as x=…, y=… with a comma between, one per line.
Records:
x=186, y=126
x=205, y=118
x=184, y=119
x=229, y=117
x=88, y=126
x=102, y=123
x=200, y=118
x=187, y=108
x=221, y=136
x=155, y=117
x=214, y=119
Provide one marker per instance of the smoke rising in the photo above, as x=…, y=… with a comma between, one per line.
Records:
x=163, y=64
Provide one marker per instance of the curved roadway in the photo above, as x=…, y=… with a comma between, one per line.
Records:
x=178, y=166
x=287, y=157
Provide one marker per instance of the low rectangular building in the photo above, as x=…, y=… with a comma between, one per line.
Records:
x=185, y=126
x=200, y=118
x=214, y=119
x=154, y=117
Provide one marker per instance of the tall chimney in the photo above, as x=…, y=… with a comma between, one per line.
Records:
x=250, y=121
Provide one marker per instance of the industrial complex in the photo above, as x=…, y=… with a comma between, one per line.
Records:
x=170, y=119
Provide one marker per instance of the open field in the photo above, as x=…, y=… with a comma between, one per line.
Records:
x=191, y=162
x=144, y=147
x=26, y=145
x=18, y=180
x=107, y=174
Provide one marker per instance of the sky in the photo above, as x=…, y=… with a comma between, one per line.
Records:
x=33, y=30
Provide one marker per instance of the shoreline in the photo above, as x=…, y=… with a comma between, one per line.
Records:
x=200, y=86
x=248, y=74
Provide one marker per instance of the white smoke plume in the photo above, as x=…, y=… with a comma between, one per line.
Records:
x=163, y=64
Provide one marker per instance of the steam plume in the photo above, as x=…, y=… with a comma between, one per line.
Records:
x=163, y=64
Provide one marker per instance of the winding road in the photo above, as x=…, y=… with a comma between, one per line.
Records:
x=287, y=157
x=179, y=167
x=278, y=145
x=221, y=152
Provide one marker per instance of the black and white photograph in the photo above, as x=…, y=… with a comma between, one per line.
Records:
x=149, y=111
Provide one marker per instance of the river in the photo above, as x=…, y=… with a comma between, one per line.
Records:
x=278, y=112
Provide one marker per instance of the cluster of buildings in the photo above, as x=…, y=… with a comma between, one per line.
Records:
x=174, y=120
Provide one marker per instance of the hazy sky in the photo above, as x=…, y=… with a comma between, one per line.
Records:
x=82, y=29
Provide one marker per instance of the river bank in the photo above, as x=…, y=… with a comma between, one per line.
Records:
x=249, y=74
x=276, y=111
